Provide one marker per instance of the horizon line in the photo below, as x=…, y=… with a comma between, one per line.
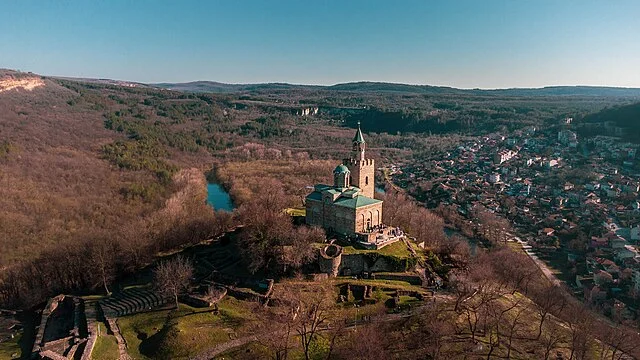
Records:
x=334, y=84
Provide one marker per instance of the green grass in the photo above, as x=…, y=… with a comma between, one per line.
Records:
x=10, y=349
x=397, y=249
x=385, y=284
x=515, y=246
x=184, y=333
x=250, y=351
x=106, y=347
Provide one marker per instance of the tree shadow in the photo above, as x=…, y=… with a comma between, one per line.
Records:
x=154, y=346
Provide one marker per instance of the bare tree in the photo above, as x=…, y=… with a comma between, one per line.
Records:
x=102, y=258
x=616, y=341
x=314, y=315
x=581, y=327
x=434, y=327
x=551, y=339
x=278, y=339
x=497, y=314
x=514, y=326
x=172, y=277
x=371, y=342
x=548, y=301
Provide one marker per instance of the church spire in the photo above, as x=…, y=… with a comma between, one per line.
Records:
x=358, y=139
x=359, y=144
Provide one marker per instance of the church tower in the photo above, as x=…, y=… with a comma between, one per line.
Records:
x=362, y=169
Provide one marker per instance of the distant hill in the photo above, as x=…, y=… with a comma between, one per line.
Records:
x=365, y=86
x=217, y=87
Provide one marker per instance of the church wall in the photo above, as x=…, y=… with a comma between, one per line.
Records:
x=343, y=219
x=313, y=215
x=372, y=213
x=339, y=218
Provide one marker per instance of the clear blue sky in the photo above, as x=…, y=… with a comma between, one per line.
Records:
x=468, y=44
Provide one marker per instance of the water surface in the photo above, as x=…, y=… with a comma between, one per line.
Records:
x=218, y=198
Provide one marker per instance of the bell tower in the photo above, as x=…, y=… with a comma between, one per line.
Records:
x=362, y=169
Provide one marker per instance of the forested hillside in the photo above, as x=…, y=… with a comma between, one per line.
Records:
x=625, y=117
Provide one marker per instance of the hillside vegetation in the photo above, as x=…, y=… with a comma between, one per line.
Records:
x=625, y=117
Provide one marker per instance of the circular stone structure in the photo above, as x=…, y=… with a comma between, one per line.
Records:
x=330, y=259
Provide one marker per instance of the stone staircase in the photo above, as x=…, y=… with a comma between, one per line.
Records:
x=131, y=301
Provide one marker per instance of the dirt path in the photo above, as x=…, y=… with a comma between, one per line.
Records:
x=220, y=348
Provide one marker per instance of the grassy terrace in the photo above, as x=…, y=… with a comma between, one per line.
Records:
x=386, y=284
x=397, y=249
x=106, y=347
x=181, y=334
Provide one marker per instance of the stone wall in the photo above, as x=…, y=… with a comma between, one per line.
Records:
x=362, y=175
x=356, y=264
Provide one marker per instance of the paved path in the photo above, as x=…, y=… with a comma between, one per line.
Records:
x=541, y=265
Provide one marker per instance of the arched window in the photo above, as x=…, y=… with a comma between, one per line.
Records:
x=366, y=180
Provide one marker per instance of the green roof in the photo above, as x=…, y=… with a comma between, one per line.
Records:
x=316, y=195
x=341, y=169
x=356, y=202
x=359, y=138
x=334, y=191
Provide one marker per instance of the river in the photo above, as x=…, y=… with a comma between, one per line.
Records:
x=218, y=198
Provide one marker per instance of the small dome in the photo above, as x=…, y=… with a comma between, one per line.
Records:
x=341, y=169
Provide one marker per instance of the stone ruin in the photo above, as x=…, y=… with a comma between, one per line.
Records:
x=330, y=259
x=333, y=262
x=66, y=331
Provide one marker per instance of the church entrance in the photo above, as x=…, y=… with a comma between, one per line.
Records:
x=368, y=224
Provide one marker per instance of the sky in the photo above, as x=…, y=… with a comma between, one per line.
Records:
x=459, y=43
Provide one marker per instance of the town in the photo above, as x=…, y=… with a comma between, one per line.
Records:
x=570, y=201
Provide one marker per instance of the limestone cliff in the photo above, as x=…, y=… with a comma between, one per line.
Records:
x=27, y=83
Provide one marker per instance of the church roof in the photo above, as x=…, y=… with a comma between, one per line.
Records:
x=316, y=195
x=356, y=202
x=359, y=138
x=341, y=169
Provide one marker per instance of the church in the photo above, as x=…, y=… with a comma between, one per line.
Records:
x=348, y=207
